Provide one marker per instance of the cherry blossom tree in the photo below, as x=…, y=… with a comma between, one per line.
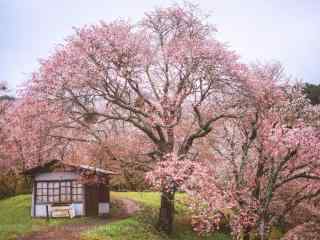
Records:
x=272, y=147
x=9, y=179
x=156, y=75
x=6, y=102
x=121, y=153
x=306, y=231
x=29, y=124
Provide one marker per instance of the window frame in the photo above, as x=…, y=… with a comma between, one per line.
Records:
x=50, y=191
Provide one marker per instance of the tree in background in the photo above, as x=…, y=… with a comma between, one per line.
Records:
x=9, y=179
x=121, y=153
x=30, y=127
x=312, y=92
x=5, y=104
x=164, y=72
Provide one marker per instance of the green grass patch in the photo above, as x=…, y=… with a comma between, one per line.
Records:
x=276, y=233
x=151, y=199
x=141, y=226
x=126, y=229
x=15, y=219
x=132, y=229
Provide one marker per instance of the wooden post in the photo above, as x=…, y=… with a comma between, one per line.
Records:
x=47, y=213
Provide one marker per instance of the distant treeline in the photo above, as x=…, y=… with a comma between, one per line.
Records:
x=312, y=91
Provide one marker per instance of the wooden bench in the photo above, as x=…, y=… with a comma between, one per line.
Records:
x=62, y=211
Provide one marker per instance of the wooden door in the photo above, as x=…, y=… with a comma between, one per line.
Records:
x=91, y=200
x=103, y=193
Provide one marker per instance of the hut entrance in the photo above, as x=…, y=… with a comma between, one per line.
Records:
x=91, y=200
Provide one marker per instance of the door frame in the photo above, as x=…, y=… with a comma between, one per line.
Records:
x=91, y=200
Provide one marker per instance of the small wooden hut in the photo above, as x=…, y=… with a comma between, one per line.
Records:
x=61, y=190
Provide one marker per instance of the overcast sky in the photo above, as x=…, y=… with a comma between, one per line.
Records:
x=283, y=30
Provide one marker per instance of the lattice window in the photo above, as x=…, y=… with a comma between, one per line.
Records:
x=42, y=192
x=77, y=192
x=65, y=193
x=59, y=192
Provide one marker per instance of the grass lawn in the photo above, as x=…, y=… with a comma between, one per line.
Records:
x=15, y=221
x=141, y=226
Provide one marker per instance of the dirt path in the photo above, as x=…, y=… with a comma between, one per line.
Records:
x=129, y=206
x=73, y=231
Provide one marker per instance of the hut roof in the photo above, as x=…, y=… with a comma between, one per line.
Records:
x=55, y=164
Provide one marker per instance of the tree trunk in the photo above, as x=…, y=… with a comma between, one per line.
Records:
x=246, y=233
x=263, y=233
x=246, y=236
x=166, y=214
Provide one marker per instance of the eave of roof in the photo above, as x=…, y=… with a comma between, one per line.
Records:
x=51, y=164
x=99, y=170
